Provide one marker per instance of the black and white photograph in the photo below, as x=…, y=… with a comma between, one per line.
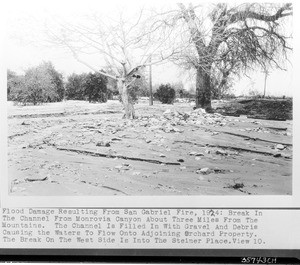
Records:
x=149, y=98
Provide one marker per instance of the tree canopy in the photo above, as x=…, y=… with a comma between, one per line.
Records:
x=39, y=84
x=229, y=40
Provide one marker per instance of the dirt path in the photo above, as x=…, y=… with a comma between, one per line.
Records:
x=76, y=148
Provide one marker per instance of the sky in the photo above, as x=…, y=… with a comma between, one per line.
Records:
x=25, y=25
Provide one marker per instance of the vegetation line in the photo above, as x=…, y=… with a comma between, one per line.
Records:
x=97, y=154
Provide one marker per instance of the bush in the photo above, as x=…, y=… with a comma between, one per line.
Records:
x=95, y=87
x=186, y=94
x=165, y=94
x=75, y=87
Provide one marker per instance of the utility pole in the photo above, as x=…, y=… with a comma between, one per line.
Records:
x=150, y=83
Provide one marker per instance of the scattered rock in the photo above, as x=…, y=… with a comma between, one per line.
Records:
x=24, y=123
x=116, y=139
x=236, y=186
x=221, y=152
x=103, y=143
x=168, y=111
x=280, y=146
x=204, y=171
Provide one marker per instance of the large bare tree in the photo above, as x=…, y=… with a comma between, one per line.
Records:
x=230, y=40
x=124, y=46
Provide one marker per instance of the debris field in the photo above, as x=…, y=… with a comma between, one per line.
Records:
x=75, y=148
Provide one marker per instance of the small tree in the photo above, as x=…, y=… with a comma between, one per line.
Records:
x=56, y=80
x=38, y=87
x=165, y=94
x=95, y=87
x=75, y=87
x=125, y=45
x=39, y=84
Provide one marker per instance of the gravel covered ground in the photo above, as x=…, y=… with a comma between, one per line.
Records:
x=77, y=148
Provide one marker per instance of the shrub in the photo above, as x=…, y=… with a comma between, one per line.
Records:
x=75, y=87
x=165, y=94
x=95, y=87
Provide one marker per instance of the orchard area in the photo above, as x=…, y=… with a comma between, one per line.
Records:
x=97, y=132
x=80, y=148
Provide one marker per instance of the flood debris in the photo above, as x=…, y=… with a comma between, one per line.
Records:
x=204, y=171
x=92, y=153
x=108, y=152
x=36, y=178
x=103, y=143
x=280, y=147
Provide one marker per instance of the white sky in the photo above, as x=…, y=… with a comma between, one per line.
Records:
x=25, y=20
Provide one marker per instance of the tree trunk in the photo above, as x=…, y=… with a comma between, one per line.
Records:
x=126, y=101
x=203, y=90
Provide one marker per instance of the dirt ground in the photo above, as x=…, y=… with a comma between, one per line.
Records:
x=77, y=148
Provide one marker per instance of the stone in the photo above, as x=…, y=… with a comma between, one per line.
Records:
x=168, y=111
x=103, y=143
x=204, y=171
x=116, y=139
x=221, y=152
x=280, y=147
